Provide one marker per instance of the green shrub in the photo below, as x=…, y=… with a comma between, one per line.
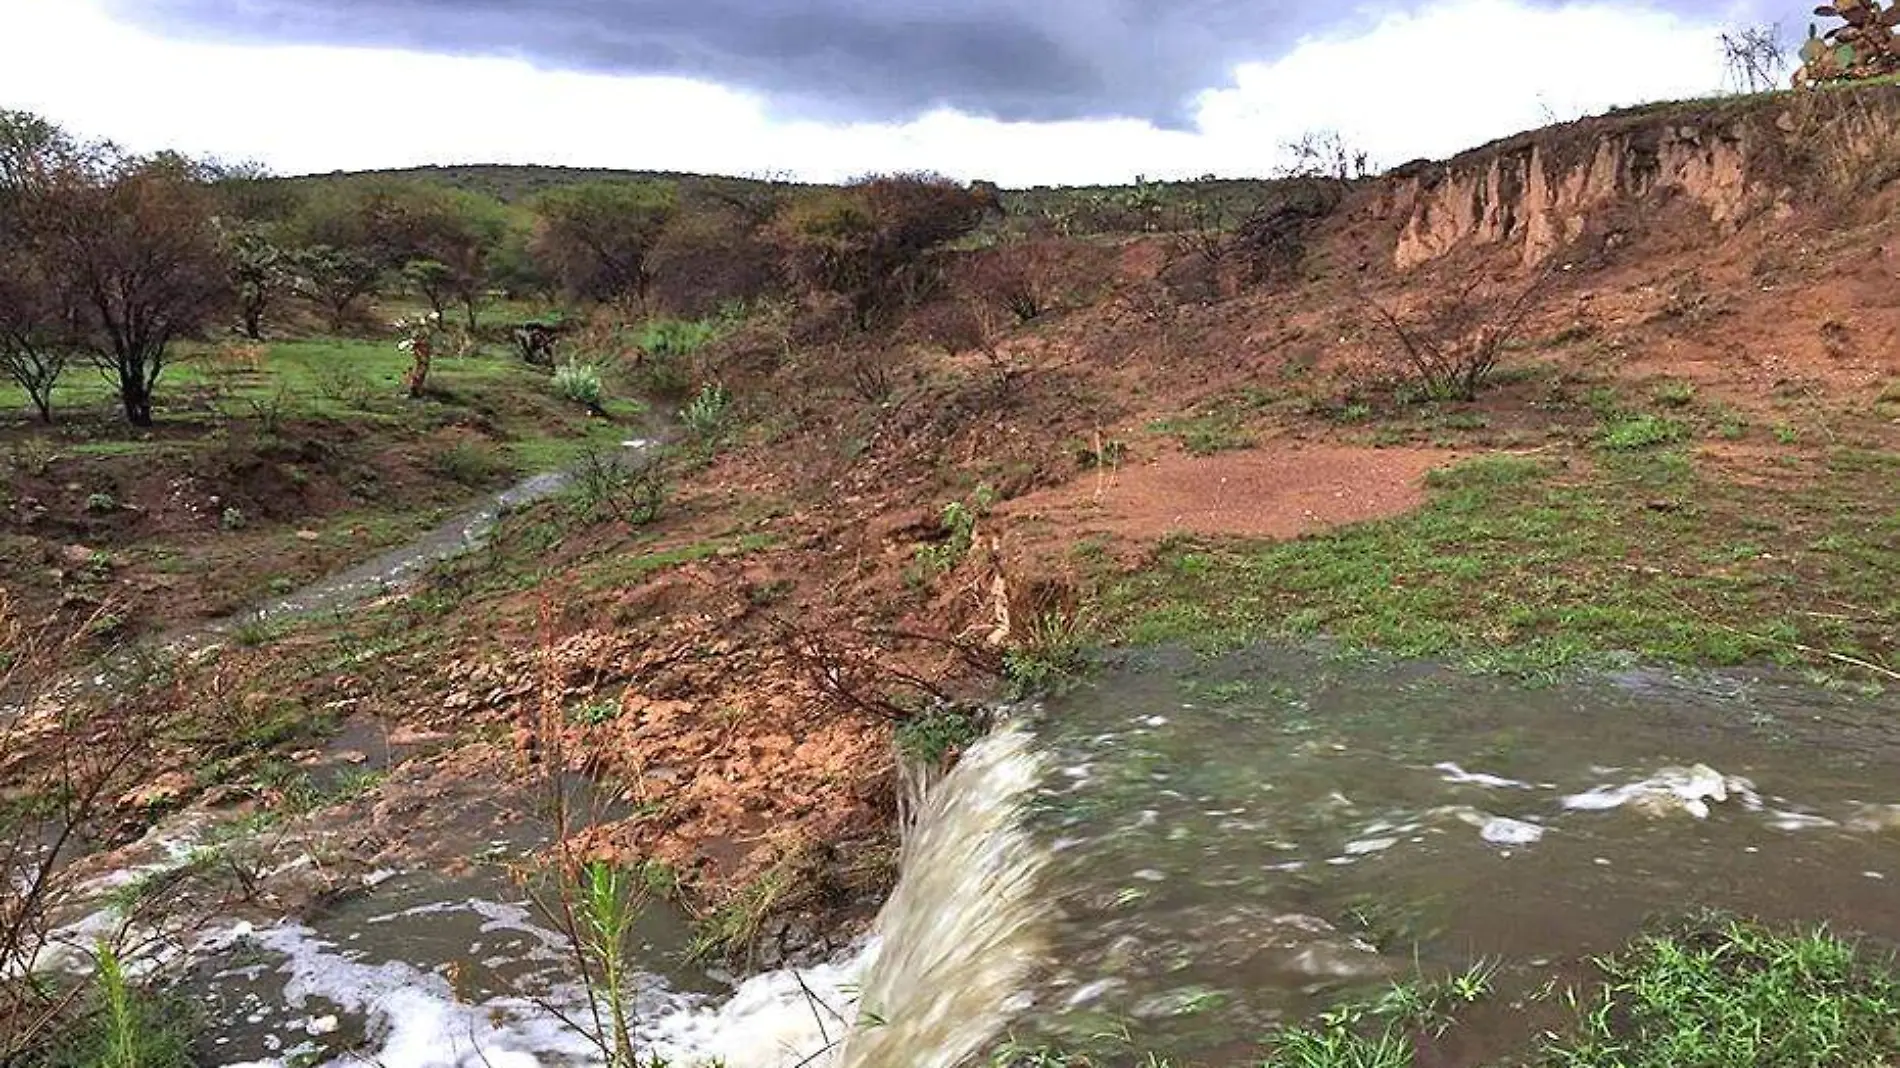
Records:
x=934, y=736
x=468, y=463
x=958, y=524
x=580, y=383
x=669, y=338
x=1643, y=432
x=667, y=347
x=101, y=503
x=708, y=414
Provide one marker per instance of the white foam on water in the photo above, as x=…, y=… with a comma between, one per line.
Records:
x=1503, y=830
x=1455, y=774
x=1669, y=789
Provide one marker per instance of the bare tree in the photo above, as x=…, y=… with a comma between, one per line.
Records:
x=1753, y=58
x=1325, y=154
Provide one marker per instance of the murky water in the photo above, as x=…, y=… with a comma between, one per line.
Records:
x=1237, y=841
x=1184, y=851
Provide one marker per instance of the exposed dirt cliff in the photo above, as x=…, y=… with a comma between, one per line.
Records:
x=1732, y=161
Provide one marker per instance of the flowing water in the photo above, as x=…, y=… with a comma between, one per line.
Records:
x=402, y=565
x=1191, y=851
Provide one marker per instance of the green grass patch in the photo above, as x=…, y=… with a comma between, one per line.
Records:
x=1219, y=425
x=628, y=570
x=1727, y=993
x=1511, y=568
x=1643, y=432
x=1712, y=992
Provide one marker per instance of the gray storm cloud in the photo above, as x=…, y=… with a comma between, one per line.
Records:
x=832, y=59
x=837, y=59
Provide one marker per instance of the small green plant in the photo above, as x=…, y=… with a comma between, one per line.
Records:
x=252, y=632
x=232, y=518
x=1050, y=657
x=1379, y=1032
x=933, y=736
x=126, y=1027
x=580, y=383
x=595, y=713
x=732, y=929
x=666, y=350
x=1643, y=432
x=958, y=526
x=708, y=415
x=1786, y=435
x=101, y=503
x=1109, y=453
x=1675, y=394
x=1206, y=434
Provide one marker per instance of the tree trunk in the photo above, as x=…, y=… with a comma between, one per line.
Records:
x=472, y=324
x=137, y=401
x=43, y=400
x=254, y=323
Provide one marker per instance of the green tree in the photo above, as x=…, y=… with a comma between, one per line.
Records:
x=594, y=238
x=136, y=242
x=260, y=274
x=434, y=280
x=393, y=224
x=334, y=279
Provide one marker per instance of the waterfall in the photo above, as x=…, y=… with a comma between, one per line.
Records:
x=961, y=934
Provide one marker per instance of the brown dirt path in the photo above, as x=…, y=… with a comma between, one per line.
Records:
x=1256, y=493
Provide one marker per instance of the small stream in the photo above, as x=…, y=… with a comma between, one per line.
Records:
x=401, y=565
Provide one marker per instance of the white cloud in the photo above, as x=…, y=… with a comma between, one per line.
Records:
x=1427, y=84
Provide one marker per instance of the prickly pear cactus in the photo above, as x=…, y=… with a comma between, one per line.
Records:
x=1864, y=47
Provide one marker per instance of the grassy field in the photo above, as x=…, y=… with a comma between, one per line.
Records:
x=1520, y=566
x=334, y=379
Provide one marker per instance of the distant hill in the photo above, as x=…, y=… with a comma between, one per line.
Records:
x=514, y=182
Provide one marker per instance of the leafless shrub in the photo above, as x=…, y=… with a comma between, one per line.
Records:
x=970, y=325
x=62, y=771
x=1271, y=242
x=1325, y=154
x=1753, y=58
x=1016, y=280
x=1452, y=345
x=871, y=374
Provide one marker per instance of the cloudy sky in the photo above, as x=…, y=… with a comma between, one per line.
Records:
x=1021, y=91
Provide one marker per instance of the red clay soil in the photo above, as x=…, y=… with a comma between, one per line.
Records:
x=1264, y=493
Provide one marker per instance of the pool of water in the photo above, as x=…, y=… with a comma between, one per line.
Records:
x=1235, y=841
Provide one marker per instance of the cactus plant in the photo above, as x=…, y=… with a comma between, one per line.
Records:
x=1865, y=47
